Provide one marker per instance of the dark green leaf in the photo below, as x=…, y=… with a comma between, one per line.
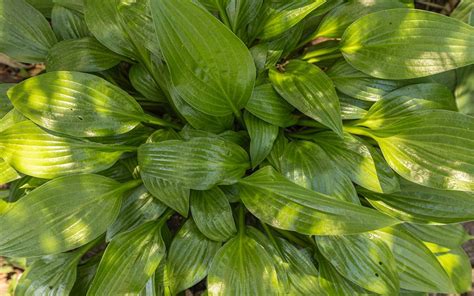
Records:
x=135, y=255
x=189, y=258
x=465, y=89
x=68, y=24
x=407, y=43
x=200, y=163
x=83, y=55
x=77, y=5
x=361, y=162
x=25, y=34
x=451, y=235
x=35, y=152
x=309, y=90
x=144, y=83
x=44, y=6
x=64, y=219
x=463, y=10
x=212, y=214
x=262, y=136
x=352, y=108
x=5, y=104
x=266, y=104
x=214, y=73
x=285, y=205
x=364, y=259
x=85, y=275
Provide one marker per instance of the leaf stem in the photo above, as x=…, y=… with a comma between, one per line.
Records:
x=360, y=131
x=241, y=220
x=160, y=122
x=325, y=58
x=293, y=238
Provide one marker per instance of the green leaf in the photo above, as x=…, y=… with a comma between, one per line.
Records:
x=77, y=5
x=44, y=6
x=336, y=22
x=450, y=236
x=262, y=136
x=144, y=83
x=407, y=43
x=283, y=18
x=285, y=205
x=333, y=283
x=68, y=24
x=351, y=82
x=200, y=163
x=242, y=267
x=173, y=194
x=417, y=266
x=25, y=34
x=457, y=265
x=419, y=204
x=214, y=73
x=363, y=259
x=85, y=275
x=307, y=165
x=352, y=108
x=22, y=187
x=50, y=275
x=463, y=10
x=7, y=173
x=432, y=148
x=465, y=89
x=266, y=104
x=5, y=104
x=241, y=12
x=309, y=90
x=77, y=104
x=83, y=55
x=361, y=162
x=407, y=101
x=189, y=257
x=212, y=214
x=136, y=255
x=10, y=119
x=137, y=208
x=35, y=152
x=64, y=219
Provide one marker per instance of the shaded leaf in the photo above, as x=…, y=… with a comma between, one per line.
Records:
x=144, y=83
x=68, y=24
x=262, y=136
x=212, y=214
x=450, y=236
x=309, y=90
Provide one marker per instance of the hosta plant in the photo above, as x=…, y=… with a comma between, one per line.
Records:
x=259, y=147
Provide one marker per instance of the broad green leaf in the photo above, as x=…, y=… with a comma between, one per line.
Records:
x=137, y=208
x=364, y=259
x=307, y=165
x=242, y=267
x=173, y=194
x=335, y=22
x=432, y=148
x=44, y=6
x=10, y=119
x=266, y=104
x=135, y=137
x=262, y=136
x=22, y=187
x=189, y=257
x=407, y=43
x=309, y=90
x=130, y=260
x=333, y=283
x=283, y=18
x=83, y=55
x=5, y=104
x=50, y=275
x=25, y=34
x=465, y=89
x=212, y=214
x=7, y=173
x=419, y=204
x=352, y=108
x=463, y=10
x=407, y=101
x=417, y=266
x=352, y=82
x=450, y=236
x=77, y=104
x=285, y=205
x=275, y=156
x=200, y=163
x=68, y=212
x=241, y=12
x=119, y=172
x=144, y=83
x=361, y=162
x=35, y=152
x=213, y=73
x=457, y=265
x=68, y=24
